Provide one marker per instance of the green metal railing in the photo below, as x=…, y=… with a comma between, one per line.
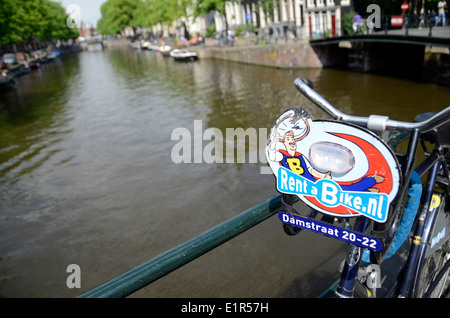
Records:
x=152, y=270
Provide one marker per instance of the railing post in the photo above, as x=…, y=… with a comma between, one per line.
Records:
x=431, y=27
x=407, y=24
x=386, y=24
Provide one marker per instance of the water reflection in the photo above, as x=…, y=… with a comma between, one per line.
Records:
x=33, y=121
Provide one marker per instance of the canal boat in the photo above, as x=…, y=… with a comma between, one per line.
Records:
x=19, y=69
x=40, y=56
x=135, y=45
x=34, y=64
x=27, y=61
x=165, y=50
x=183, y=55
x=6, y=81
x=146, y=45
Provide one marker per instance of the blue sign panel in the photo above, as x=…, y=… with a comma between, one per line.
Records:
x=331, y=231
x=329, y=194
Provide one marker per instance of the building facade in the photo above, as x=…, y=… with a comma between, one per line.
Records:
x=301, y=19
x=288, y=19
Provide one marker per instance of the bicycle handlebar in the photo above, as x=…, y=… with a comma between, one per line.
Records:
x=373, y=122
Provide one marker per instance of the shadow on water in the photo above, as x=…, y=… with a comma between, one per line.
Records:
x=38, y=94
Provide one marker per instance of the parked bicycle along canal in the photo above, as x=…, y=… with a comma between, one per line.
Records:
x=87, y=174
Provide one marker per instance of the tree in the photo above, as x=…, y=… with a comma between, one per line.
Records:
x=151, y=12
x=116, y=15
x=28, y=19
x=202, y=7
x=143, y=14
x=268, y=7
x=54, y=22
x=11, y=27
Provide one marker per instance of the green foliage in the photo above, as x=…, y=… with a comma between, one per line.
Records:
x=245, y=28
x=348, y=22
x=210, y=31
x=11, y=16
x=118, y=14
x=54, y=23
x=143, y=15
x=205, y=6
x=267, y=6
x=202, y=7
x=23, y=20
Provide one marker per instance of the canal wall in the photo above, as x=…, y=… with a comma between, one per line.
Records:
x=115, y=43
x=386, y=59
x=289, y=55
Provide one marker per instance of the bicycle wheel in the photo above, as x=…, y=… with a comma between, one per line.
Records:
x=436, y=256
x=431, y=267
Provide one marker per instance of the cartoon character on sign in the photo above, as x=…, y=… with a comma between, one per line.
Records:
x=325, y=150
x=293, y=160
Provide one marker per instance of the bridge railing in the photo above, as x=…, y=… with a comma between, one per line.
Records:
x=422, y=24
x=406, y=22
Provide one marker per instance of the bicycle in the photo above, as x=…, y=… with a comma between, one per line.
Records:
x=416, y=222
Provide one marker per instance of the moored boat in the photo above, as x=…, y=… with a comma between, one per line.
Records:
x=135, y=45
x=165, y=50
x=146, y=45
x=183, y=55
x=34, y=65
x=6, y=81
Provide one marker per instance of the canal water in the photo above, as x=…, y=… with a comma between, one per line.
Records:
x=88, y=172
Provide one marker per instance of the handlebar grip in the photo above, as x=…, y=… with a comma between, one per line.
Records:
x=308, y=82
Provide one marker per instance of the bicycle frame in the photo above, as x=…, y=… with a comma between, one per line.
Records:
x=352, y=264
x=386, y=231
x=421, y=234
x=426, y=220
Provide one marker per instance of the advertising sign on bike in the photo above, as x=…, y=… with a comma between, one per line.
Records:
x=335, y=168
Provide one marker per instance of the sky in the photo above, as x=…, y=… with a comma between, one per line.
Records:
x=89, y=9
